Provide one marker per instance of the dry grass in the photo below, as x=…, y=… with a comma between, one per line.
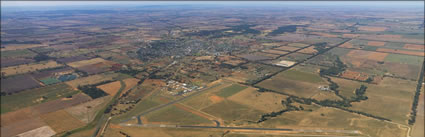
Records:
x=93, y=79
x=61, y=121
x=287, y=48
x=86, y=62
x=25, y=68
x=376, y=43
x=264, y=101
x=401, y=51
x=44, y=131
x=21, y=46
x=309, y=50
x=367, y=28
x=414, y=47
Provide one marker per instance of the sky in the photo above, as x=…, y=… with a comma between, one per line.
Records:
x=93, y=3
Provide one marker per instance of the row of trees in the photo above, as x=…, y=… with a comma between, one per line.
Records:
x=412, y=119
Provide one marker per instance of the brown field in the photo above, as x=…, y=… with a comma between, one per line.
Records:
x=266, y=55
x=309, y=50
x=370, y=55
x=61, y=121
x=376, y=43
x=401, y=51
x=21, y=46
x=86, y=62
x=110, y=88
x=264, y=101
x=275, y=52
x=129, y=83
x=350, y=35
x=287, y=48
x=324, y=34
x=414, y=47
x=367, y=28
x=300, y=45
x=25, y=68
x=59, y=104
x=21, y=126
x=355, y=75
x=347, y=45
x=93, y=79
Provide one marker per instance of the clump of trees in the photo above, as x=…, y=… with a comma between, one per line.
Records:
x=92, y=91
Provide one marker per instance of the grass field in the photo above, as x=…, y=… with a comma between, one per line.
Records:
x=264, y=101
x=86, y=62
x=94, y=79
x=25, y=68
x=404, y=59
x=17, y=53
x=35, y=96
x=294, y=74
x=231, y=111
x=172, y=114
x=201, y=101
x=229, y=91
x=139, y=108
x=50, y=80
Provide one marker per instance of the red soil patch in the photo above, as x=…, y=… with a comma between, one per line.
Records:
x=375, y=43
x=215, y=98
x=401, y=51
x=355, y=75
x=414, y=47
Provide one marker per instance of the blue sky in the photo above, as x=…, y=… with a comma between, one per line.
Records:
x=90, y=3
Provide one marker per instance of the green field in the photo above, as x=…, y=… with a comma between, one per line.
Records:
x=172, y=114
x=35, y=96
x=302, y=76
x=404, y=59
x=50, y=80
x=17, y=53
x=229, y=91
x=139, y=108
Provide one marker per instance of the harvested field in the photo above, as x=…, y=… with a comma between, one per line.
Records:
x=287, y=48
x=73, y=59
x=369, y=55
x=367, y=28
x=275, y=52
x=414, y=47
x=324, y=34
x=21, y=126
x=86, y=62
x=44, y=131
x=14, y=84
x=111, y=88
x=21, y=46
x=300, y=45
x=309, y=50
x=355, y=75
x=61, y=121
x=59, y=104
x=376, y=43
x=93, y=79
x=14, y=61
x=95, y=68
x=401, y=51
x=25, y=68
x=85, y=114
x=264, y=101
x=254, y=57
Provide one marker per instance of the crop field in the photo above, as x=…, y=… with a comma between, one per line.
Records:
x=72, y=59
x=252, y=57
x=13, y=84
x=178, y=116
x=309, y=50
x=300, y=45
x=62, y=103
x=18, y=127
x=49, y=81
x=278, y=52
x=297, y=57
x=38, y=132
x=35, y=96
x=93, y=79
x=25, y=68
x=86, y=62
x=61, y=121
x=305, y=85
x=87, y=111
x=14, y=61
x=368, y=28
x=414, y=47
x=415, y=53
x=111, y=88
x=95, y=68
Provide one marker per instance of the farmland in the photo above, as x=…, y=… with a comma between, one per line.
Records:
x=201, y=69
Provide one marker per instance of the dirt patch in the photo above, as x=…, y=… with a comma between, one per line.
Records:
x=376, y=43
x=401, y=51
x=110, y=88
x=215, y=98
x=355, y=75
x=414, y=47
